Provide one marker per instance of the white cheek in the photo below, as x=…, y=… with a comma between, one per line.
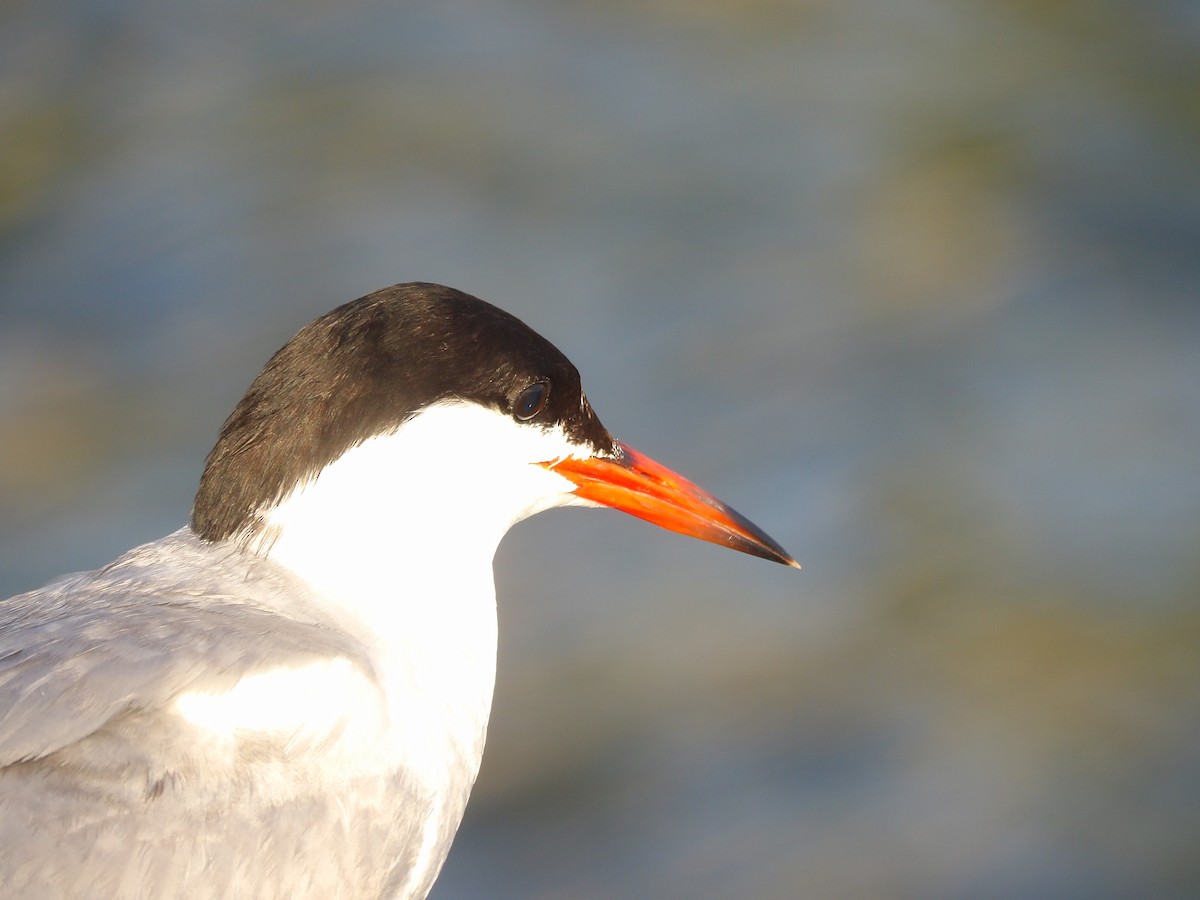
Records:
x=455, y=470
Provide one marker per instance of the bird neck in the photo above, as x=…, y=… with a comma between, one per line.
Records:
x=397, y=537
x=397, y=562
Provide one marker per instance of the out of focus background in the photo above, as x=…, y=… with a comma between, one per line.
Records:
x=914, y=285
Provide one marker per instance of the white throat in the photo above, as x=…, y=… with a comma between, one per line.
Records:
x=397, y=536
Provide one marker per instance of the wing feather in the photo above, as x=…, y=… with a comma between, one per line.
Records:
x=132, y=636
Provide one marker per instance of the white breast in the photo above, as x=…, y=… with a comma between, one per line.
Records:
x=395, y=539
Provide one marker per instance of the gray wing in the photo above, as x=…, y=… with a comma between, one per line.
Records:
x=101, y=791
x=165, y=618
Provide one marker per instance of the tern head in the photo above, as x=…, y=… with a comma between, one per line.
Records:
x=441, y=408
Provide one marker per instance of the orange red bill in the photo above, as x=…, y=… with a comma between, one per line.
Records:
x=636, y=484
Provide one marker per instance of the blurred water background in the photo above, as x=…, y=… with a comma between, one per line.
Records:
x=913, y=284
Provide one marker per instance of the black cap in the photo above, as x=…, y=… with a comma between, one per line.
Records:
x=363, y=370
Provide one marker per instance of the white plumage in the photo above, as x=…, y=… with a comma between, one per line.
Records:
x=289, y=697
x=322, y=695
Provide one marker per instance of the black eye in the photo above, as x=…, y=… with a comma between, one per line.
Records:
x=532, y=401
